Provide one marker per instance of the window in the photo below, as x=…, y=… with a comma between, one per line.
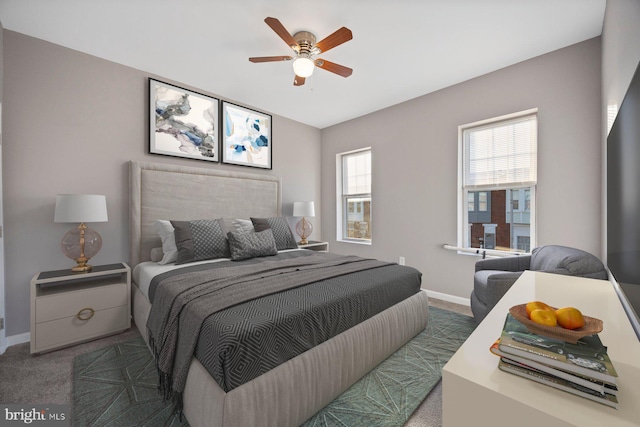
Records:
x=354, y=193
x=482, y=201
x=472, y=201
x=479, y=207
x=498, y=170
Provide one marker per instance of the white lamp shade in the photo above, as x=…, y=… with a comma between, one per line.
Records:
x=303, y=209
x=80, y=208
x=303, y=67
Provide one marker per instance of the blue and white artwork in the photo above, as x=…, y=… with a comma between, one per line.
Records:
x=183, y=123
x=246, y=137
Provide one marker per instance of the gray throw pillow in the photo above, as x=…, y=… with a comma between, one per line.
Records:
x=281, y=231
x=251, y=244
x=199, y=240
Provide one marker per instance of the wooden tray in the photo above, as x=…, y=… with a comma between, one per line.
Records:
x=591, y=326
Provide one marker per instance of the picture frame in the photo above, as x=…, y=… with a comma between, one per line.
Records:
x=246, y=137
x=183, y=123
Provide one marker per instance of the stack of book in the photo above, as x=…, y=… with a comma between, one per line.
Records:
x=583, y=368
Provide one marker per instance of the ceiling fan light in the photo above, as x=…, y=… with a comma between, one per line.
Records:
x=303, y=67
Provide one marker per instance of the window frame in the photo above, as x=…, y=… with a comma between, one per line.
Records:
x=342, y=203
x=463, y=228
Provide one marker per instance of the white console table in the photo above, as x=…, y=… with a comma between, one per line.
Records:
x=475, y=392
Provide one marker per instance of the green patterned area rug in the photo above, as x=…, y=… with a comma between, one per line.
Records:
x=117, y=385
x=388, y=395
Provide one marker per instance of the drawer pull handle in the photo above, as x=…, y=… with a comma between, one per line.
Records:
x=85, y=313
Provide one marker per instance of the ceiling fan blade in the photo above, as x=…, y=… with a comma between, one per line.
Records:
x=281, y=31
x=338, y=69
x=270, y=58
x=298, y=81
x=340, y=36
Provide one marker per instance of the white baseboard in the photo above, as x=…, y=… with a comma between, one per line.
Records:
x=14, y=340
x=449, y=298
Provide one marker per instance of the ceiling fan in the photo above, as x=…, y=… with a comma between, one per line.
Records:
x=305, y=49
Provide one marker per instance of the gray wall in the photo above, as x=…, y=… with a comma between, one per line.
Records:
x=620, y=52
x=620, y=56
x=415, y=163
x=72, y=122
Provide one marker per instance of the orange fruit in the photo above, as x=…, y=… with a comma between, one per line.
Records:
x=570, y=318
x=544, y=317
x=536, y=305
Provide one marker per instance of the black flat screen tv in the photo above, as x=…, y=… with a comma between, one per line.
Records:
x=623, y=202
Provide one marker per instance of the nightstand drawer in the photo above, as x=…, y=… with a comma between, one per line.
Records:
x=60, y=306
x=70, y=330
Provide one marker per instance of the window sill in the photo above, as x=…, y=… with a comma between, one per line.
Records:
x=357, y=242
x=483, y=252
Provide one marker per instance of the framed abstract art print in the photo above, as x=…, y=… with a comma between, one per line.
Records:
x=246, y=137
x=183, y=123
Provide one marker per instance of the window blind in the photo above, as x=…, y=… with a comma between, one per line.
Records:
x=501, y=154
x=356, y=172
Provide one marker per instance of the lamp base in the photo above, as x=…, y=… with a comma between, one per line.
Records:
x=81, y=244
x=82, y=268
x=304, y=229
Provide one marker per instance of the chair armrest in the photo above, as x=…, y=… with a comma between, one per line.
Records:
x=497, y=284
x=510, y=263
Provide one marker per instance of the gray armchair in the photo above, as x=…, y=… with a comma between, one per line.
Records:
x=494, y=276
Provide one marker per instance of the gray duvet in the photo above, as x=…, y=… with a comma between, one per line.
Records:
x=253, y=315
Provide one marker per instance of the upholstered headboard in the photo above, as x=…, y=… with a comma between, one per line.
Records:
x=162, y=191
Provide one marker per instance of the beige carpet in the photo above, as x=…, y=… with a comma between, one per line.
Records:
x=46, y=379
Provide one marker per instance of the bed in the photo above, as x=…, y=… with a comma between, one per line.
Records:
x=291, y=392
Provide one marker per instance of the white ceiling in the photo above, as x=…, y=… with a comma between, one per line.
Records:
x=401, y=49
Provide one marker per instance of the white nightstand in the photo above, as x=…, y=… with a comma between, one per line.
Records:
x=68, y=307
x=315, y=246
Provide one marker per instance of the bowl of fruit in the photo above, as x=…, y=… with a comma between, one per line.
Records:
x=566, y=323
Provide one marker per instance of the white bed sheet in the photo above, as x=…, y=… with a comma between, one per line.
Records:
x=145, y=271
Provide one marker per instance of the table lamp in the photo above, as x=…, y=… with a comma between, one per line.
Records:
x=304, y=228
x=81, y=243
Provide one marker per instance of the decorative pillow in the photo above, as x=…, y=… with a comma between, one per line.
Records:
x=169, y=249
x=156, y=254
x=281, y=231
x=235, y=224
x=242, y=225
x=251, y=244
x=199, y=240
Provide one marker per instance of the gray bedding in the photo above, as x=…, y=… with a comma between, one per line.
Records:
x=281, y=313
